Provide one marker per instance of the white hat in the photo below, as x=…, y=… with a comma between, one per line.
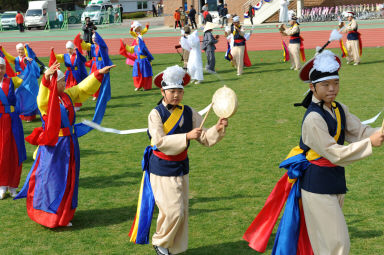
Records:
x=324, y=66
x=2, y=61
x=174, y=77
x=209, y=26
x=135, y=25
x=60, y=75
x=19, y=46
x=69, y=45
x=349, y=14
x=236, y=19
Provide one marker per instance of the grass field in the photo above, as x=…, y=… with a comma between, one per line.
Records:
x=228, y=182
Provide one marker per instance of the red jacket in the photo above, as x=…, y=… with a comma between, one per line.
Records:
x=176, y=15
x=19, y=18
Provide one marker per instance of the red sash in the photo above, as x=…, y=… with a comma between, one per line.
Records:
x=302, y=52
x=360, y=43
x=178, y=157
x=322, y=162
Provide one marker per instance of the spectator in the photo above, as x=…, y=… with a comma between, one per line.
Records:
x=20, y=21
x=61, y=19
x=88, y=29
x=251, y=13
x=223, y=15
x=183, y=17
x=176, y=15
x=206, y=16
x=192, y=17
x=154, y=12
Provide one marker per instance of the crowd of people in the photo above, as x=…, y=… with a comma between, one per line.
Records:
x=315, y=176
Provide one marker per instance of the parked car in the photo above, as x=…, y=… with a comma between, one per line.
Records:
x=8, y=20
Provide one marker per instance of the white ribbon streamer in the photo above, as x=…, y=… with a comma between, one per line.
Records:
x=371, y=120
x=129, y=131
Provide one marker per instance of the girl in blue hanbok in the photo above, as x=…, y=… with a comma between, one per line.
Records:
x=51, y=187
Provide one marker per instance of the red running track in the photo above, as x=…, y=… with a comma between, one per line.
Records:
x=258, y=41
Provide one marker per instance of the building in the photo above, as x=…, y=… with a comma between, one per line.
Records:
x=137, y=5
x=268, y=13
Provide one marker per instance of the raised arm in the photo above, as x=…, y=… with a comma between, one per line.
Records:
x=8, y=56
x=88, y=86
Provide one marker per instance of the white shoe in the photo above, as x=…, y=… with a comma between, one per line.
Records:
x=197, y=82
x=356, y=64
x=94, y=98
x=77, y=109
x=292, y=67
x=137, y=89
x=69, y=224
x=3, y=189
x=348, y=62
x=13, y=192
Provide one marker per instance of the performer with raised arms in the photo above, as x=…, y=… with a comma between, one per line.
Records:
x=296, y=47
x=316, y=171
x=171, y=127
x=75, y=63
x=51, y=187
x=354, y=44
x=238, y=48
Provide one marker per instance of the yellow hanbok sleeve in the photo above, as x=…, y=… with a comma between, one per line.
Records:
x=60, y=58
x=130, y=49
x=86, y=88
x=145, y=30
x=86, y=46
x=16, y=81
x=9, y=57
x=43, y=97
x=133, y=34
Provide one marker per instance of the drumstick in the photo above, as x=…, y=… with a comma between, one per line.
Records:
x=206, y=115
x=382, y=127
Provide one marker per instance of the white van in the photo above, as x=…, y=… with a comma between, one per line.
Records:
x=97, y=11
x=38, y=13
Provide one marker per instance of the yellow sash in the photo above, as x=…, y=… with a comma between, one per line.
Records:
x=173, y=120
x=311, y=154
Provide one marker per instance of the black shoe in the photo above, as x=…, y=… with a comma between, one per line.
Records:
x=158, y=252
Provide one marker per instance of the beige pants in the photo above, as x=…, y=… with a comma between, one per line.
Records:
x=185, y=57
x=238, y=58
x=325, y=222
x=294, y=51
x=353, y=51
x=171, y=197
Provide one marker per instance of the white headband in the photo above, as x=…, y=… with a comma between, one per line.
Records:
x=19, y=46
x=60, y=75
x=69, y=45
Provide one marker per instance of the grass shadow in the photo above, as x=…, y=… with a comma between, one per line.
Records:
x=241, y=248
x=100, y=182
x=94, y=218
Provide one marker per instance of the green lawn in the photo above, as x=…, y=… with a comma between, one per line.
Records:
x=228, y=182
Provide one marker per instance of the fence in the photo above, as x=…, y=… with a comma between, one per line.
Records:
x=362, y=11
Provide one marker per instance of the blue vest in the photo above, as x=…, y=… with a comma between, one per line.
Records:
x=164, y=167
x=353, y=36
x=325, y=180
x=296, y=40
x=237, y=36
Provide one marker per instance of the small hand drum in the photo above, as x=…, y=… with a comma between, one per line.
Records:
x=224, y=103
